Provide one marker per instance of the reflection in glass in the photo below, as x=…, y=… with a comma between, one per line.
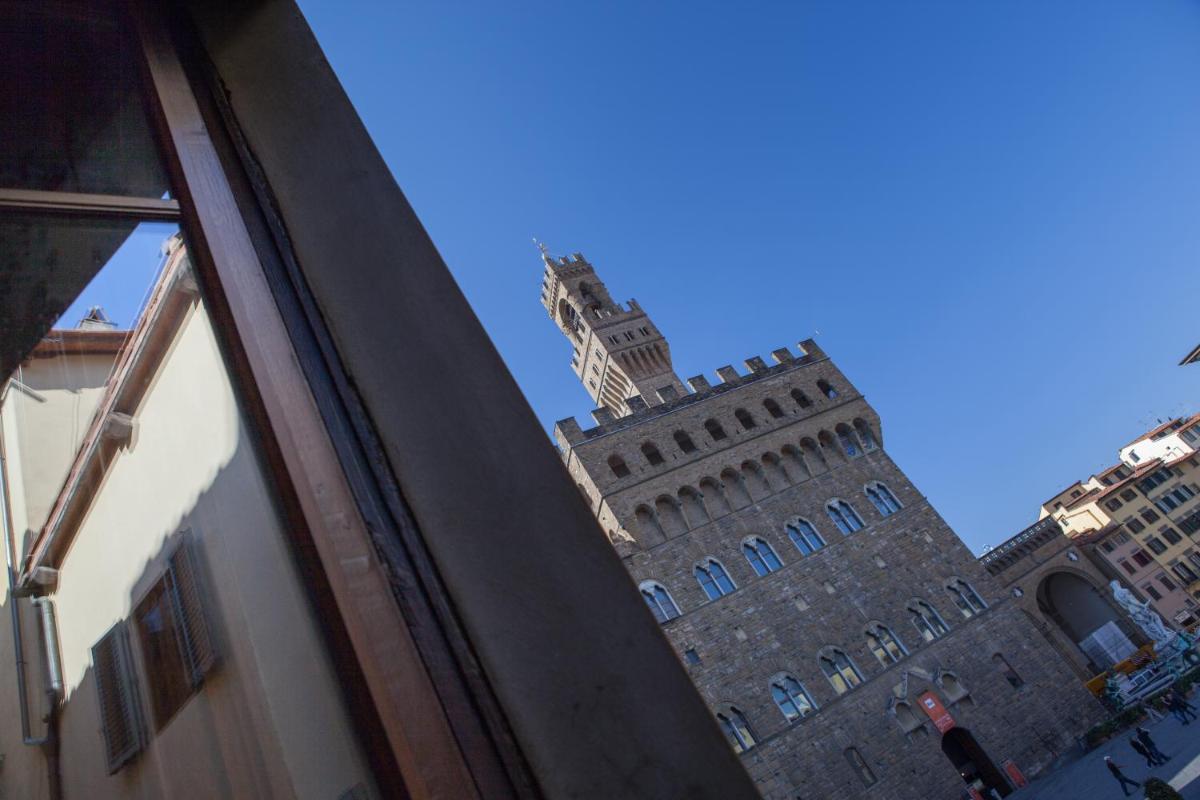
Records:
x=72, y=116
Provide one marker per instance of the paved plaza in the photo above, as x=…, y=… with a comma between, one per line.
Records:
x=1089, y=779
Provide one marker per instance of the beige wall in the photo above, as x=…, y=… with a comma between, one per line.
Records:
x=269, y=720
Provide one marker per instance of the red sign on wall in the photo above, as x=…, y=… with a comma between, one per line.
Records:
x=1015, y=774
x=937, y=712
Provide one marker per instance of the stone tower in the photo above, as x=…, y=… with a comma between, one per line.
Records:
x=618, y=353
x=847, y=641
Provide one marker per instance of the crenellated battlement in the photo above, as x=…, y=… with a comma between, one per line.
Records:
x=568, y=432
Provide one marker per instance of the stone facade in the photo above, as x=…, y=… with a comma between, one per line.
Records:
x=706, y=474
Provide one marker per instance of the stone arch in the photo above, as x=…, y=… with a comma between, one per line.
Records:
x=848, y=440
x=713, y=494
x=776, y=474
x=1085, y=616
x=756, y=481
x=866, y=434
x=666, y=508
x=906, y=718
x=826, y=442
x=694, y=512
x=735, y=488
x=814, y=458
x=793, y=464
x=649, y=531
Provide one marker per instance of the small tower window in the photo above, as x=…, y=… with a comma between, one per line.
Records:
x=713, y=578
x=714, y=430
x=865, y=435
x=826, y=389
x=659, y=601
x=772, y=408
x=761, y=556
x=804, y=536
x=1009, y=673
x=846, y=440
x=801, y=398
x=685, y=442
x=651, y=453
x=743, y=416
x=618, y=466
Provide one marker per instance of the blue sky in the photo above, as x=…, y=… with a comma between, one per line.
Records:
x=988, y=210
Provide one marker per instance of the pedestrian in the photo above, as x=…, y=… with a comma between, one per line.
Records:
x=1142, y=751
x=1178, y=706
x=1143, y=736
x=1115, y=769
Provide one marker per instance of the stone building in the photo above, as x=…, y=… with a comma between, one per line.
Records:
x=1062, y=584
x=847, y=641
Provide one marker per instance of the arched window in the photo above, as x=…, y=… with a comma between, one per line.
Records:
x=1006, y=669
x=791, y=697
x=967, y=599
x=618, y=466
x=743, y=416
x=801, y=398
x=736, y=728
x=761, y=556
x=772, y=408
x=651, y=453
x=826, y=389
x=846, y=440
x=839, y=669
x=928, y=620
x=804, y=536
x=659, y=600
x=859, y=765
x=882, y=498
x=684, y=441
x=844, y=516
x=885, y=645
x=714, y=430
x=865, y=435
x=713, y=578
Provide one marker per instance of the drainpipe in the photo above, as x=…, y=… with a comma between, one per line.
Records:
x=49, y=742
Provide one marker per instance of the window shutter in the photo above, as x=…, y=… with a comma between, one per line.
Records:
x=120, y=713
x=197, y=643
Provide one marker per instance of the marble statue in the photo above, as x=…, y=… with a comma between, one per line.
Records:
x=1146, y=618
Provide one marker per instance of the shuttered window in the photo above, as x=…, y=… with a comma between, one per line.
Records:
x=116, y=692
x=174, y=635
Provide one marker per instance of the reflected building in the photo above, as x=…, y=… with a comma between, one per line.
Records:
x=844, y=638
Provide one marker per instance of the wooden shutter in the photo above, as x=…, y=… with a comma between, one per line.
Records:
x=116, y=694
x=196, y=638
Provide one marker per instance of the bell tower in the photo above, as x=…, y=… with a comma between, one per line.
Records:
x=618, y=353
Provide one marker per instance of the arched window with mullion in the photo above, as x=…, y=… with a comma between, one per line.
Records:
x=844, y=516
x=965, y=598
x=761, y=556
x=839, y=670
x=927, y=620
x=885, y=645
x=713, y=579
x=804, y=535
x=659, y=600
x=791, y=697
x=736, y=729
x=882, y=498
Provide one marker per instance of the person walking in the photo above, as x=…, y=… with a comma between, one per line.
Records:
x=1115, y=769
x=1178, y=706
x=1142, y=751
x=1143, y=736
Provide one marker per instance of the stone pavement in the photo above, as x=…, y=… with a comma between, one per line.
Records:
x=1089, y=779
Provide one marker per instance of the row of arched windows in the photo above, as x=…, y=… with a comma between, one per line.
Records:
x=714, y=579
x=853, y=440
x=691, y=508
x=794, y=700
